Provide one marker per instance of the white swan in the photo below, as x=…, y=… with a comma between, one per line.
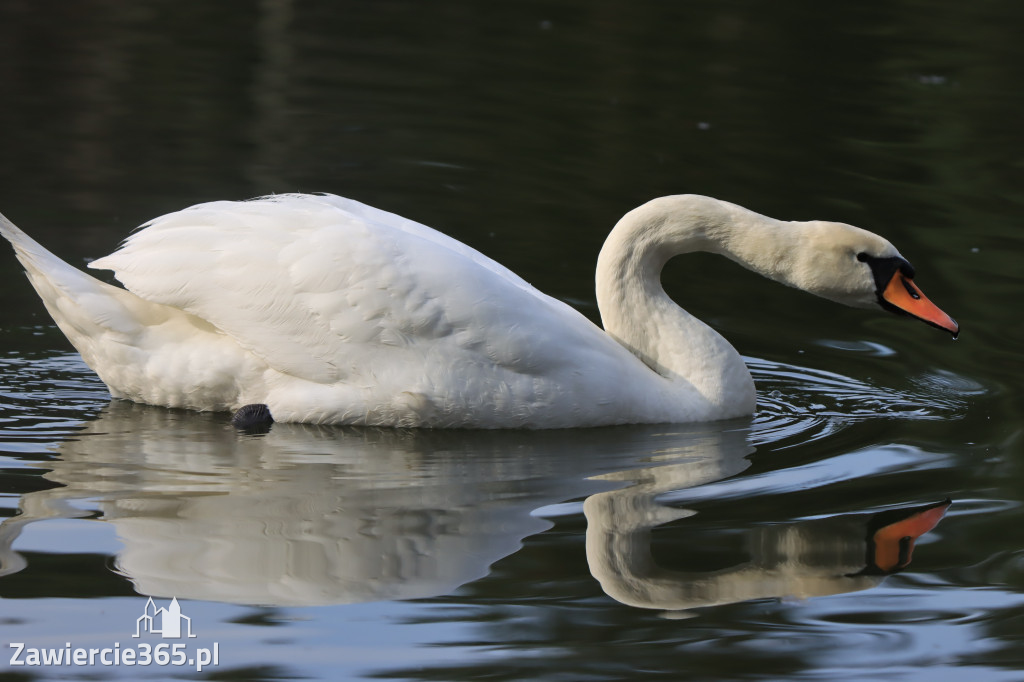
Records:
x=327, y=310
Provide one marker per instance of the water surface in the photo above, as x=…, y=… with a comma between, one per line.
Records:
x=740, y=550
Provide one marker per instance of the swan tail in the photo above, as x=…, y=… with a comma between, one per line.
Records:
x=87, y=310
x=31, y=253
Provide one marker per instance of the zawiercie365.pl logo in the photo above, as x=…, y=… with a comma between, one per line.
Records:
x=169, y=623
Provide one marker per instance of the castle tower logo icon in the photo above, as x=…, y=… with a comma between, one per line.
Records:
x=166, y=622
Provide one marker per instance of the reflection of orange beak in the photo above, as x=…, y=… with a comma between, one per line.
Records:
x=902, y=293
x=894, y=543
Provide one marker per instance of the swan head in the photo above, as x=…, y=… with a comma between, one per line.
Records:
x=855, y=267
x=836, y=261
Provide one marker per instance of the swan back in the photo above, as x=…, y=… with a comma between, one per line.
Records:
x=348, y=314
x=312, y=270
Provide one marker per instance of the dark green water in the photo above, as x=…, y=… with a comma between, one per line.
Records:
x=711, y=552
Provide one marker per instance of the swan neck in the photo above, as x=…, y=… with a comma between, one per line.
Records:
x=646, y=238
x=636, y=311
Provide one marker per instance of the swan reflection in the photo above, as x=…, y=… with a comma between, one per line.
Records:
x=308, y=516
x=804, y=559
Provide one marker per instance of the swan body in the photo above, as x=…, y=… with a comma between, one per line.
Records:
x=330, y=311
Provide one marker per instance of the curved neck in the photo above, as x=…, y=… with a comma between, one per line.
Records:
x=636, y=311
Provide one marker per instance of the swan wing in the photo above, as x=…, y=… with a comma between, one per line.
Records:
x=331, y=290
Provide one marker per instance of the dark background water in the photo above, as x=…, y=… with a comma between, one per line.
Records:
x=526, y=130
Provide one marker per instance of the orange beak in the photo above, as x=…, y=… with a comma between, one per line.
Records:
x=902, y=293
x=894, y=544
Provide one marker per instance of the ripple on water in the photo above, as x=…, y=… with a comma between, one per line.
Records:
x=871, y=348
x=814, y=403
x=44, y=397
x=40, y=393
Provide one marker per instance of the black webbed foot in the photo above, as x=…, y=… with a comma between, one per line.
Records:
x=254, y=418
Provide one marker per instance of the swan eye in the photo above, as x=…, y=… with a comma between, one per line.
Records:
x=863, y=257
